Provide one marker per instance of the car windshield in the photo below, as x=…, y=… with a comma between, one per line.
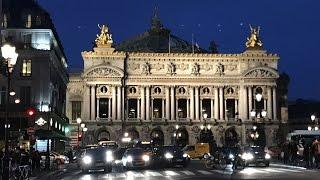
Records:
x=255, y=148
x=188, y=148
x=97, y=153
x=135, y=151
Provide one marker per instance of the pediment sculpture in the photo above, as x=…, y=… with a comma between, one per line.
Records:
x=220, y=69
x=171, y=68
x=102, y=72
x=195, y=69
x=145, y=68
x=261, y=73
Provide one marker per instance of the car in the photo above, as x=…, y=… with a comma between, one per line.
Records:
x=55, y=158
x=171, y=156
x=118, y=154
x=136, y=158
x=199, y=150
x=255, y=155
x=96, y=159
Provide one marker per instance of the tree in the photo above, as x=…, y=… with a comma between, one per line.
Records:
x=283, y=83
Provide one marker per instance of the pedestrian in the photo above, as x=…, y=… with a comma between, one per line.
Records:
x=314, y=149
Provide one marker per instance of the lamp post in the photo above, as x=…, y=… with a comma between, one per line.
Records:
x=84, y=130
x=315, y=122
x=10, y=56
x=78, y=122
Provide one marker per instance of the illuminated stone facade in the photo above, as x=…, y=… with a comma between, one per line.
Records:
x=148, y=94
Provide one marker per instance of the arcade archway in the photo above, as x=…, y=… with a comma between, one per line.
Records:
x=231, y=137
x=133, y=134
x=103, y=135
x=157, y=137
x=181, y=137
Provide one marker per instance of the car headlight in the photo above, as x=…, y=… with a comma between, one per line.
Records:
x=129, y=159
x=87, y=160
x=109, y=156
x=168, y=156
x=185, y=155
x=231, y=156
x=247, y=156
x=267, y=156
x=145, y=157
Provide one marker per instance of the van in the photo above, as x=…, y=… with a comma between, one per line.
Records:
x=198, y=150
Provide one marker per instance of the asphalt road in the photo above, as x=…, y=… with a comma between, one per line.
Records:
x=196, y=170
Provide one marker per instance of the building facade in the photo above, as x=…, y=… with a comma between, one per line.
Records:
x=39, y=78
x=161, y=88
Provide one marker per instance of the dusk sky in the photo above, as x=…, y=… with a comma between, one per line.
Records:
x=289, y=28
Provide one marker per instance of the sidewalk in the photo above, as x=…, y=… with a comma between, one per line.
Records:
x=44, y=174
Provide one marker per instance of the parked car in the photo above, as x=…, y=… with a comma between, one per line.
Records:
x=55, y=158
x=171, y=156
x=136, y=158
x=255, y=155
x=199, y=150
x=96, y=159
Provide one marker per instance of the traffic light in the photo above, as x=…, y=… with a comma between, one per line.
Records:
x=31, y=112
x=80, y=137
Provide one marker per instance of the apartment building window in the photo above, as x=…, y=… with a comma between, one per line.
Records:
x=26, y=68
x=25, y=95
x=2, y=95
x=76, y=109
x=28, y=22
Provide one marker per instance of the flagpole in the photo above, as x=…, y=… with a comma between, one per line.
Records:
x=192, y=45
x=169, y=44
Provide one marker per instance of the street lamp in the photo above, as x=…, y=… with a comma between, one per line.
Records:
x=315, y=121
x=78, y=122
x=10, y=56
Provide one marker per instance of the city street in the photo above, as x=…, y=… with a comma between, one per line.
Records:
x=196, y=170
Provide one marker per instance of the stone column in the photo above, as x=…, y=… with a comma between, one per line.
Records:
x=221, y=103
x=167, y=103
x=192, y=103
x=162, y=109
x=85, y=107
x=236, y=106
x=119, y=94
x=201, y=108
x=172, y=103
x=274, y=100
x=243, y=103
x=188, y=109
x=114, y=103
x=93, y=103
x=225, y=110
x=109, y=108
x=98, y=107
x=216, y=103
x=147, y=103
x=269, y=103
x=197, y=102
x=138, y=109
x=151, y=109
x=143, y=104
x=211, y=109
x=250, y=98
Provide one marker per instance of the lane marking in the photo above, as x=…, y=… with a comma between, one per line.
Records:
x=171, y=173
x=152, y=173
x=222, y=172
x=204, y=172
x=188, y=173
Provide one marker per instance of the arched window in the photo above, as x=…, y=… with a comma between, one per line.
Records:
x=157, y=90
x=132, y=90
x=182, y=90
x=206, y=90
x=29, y=20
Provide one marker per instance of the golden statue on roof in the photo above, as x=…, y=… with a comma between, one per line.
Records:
x=104, y=39
x=254, y=41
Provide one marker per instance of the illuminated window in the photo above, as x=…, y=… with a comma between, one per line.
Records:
x=5, y=21
x=28, y=23
x=38, y=20
x=76, y=109
x=26, y=68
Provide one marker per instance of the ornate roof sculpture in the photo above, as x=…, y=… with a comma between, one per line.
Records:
x=157, y=40
x=254, y=42
x=104, y=39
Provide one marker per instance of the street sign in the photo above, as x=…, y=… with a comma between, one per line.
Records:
x=31, y=130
